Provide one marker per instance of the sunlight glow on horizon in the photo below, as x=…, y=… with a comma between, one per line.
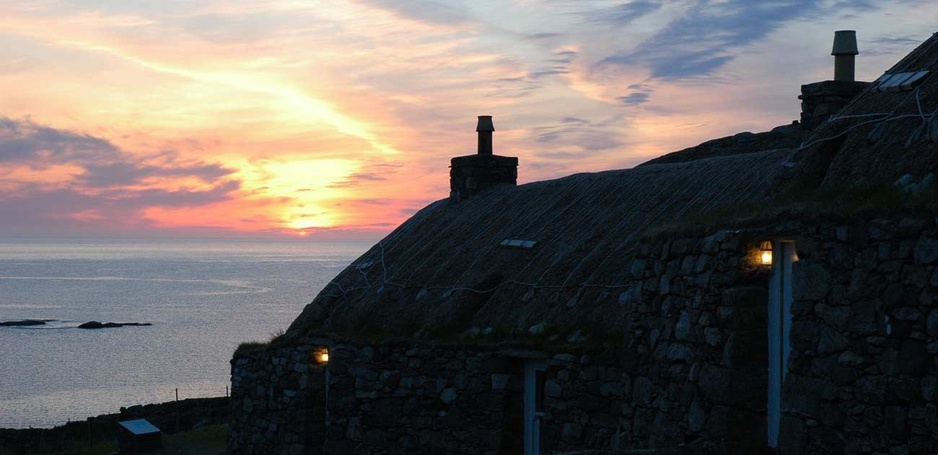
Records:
x=273, y=118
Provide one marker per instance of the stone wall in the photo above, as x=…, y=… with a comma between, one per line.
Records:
x=862, y=374
x=392, y=397
x=693, y=364
x=409, y=398
x=278, y=400
x=690, y=371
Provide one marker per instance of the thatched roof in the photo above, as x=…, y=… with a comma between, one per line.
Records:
x=883, y=133
x=444, y=270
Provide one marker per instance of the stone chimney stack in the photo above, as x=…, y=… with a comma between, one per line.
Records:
x=471, y=174
x=845, y=52
x=821, y=100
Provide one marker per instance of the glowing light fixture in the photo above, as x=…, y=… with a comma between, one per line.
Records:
x=765, y=253
x=322, y=355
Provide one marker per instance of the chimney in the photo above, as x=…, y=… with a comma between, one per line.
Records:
x=471, y=174
x=485, y=129
x=821, y=100
x=845, y=51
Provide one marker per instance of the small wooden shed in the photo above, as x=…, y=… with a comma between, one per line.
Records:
x=138, y=436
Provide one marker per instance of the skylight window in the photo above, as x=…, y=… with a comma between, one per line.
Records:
x=523, y=244
x=900, y=81
x=913, y=80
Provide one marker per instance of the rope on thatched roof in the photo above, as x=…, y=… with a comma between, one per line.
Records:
x=882, y=117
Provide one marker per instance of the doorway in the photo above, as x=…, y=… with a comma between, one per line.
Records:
x=779, y=322
x=534, y=378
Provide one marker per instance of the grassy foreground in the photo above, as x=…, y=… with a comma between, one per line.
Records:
x=209, y=440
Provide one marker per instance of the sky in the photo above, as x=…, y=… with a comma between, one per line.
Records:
x=337, y=119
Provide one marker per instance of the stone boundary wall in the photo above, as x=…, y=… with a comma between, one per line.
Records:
x=862, y=374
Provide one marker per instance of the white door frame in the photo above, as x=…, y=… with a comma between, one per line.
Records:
x=779, y=330
x=532, y=415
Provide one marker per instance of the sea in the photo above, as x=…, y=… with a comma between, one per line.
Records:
x=202, y=297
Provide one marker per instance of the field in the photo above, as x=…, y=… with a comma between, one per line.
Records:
x=209, y=440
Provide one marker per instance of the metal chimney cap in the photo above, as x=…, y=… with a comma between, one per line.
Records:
x=845, y=43
x=485, y=123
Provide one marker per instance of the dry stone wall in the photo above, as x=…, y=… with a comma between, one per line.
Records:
x=692, y=367
x=407, y=398
x=278, y=400
x=862, y=374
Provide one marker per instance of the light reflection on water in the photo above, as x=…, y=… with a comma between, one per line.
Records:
x=202, y=297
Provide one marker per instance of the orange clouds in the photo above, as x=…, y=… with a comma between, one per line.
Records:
x=263, y=117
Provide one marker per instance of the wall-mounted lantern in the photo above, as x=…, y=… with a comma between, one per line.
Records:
x=765, y=253
x=322, y=355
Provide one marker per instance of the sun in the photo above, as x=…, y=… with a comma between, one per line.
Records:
x=302, y=222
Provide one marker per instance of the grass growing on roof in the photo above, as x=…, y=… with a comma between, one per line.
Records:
x=839, y=203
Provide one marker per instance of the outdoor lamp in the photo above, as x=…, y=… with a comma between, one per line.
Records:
x=765, y=250
x=322, y=355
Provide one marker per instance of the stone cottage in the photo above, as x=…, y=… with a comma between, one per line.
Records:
x=762, y=293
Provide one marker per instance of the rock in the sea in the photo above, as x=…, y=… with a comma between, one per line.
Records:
x=108, y=325
x=24, y=322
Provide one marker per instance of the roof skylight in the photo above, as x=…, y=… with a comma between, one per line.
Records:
x=900, y=81
x=523, y=244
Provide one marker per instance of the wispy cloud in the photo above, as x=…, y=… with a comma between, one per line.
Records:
x=706, y=36
x=624, y=14
x=579, y=138
x=428, y=11
x=371, y=173
x=97, y=182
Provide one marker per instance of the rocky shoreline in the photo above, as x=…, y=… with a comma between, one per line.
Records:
x=171, y=417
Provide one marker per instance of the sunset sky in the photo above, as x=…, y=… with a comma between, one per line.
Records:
x=337, y=119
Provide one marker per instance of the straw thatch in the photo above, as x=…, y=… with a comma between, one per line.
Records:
x=443, y=271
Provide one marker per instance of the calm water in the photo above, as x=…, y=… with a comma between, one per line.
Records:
x=202, y=297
